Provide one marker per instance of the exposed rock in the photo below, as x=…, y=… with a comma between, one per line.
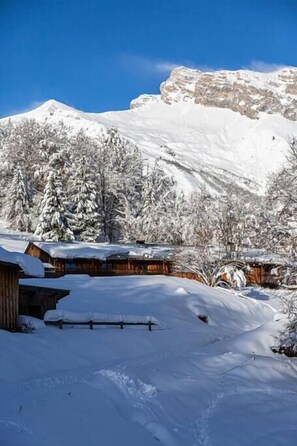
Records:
x=246, y=92
x=180, y=86
x=144, y=99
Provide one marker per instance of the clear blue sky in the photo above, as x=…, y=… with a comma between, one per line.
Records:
x=97, y=55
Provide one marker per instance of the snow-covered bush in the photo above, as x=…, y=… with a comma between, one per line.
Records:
x=210, y=270
x=287, y=340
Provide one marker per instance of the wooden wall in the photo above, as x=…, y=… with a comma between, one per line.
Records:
x=187, y=275
x=258, y=274
x=34, y=251
x=36, y=301
x=112, y=267
x=9, y=296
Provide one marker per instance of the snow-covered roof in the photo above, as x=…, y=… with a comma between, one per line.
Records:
x=100, y=251
x=261, y=256
x=29, y=265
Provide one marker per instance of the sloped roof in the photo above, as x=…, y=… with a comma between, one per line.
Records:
x=80, y=250
x=101, y=251
x=29, y=265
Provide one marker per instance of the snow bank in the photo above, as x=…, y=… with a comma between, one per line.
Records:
x=29, y=321
x=193, y=383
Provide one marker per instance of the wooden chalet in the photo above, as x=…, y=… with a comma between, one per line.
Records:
x=113, y=260
x=94, y=260
x=15, y=298
x=9, y=294
x=11, y=265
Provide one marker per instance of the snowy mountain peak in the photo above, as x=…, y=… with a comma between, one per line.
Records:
x=243, y=91
x=51, y=106
x=200, y=125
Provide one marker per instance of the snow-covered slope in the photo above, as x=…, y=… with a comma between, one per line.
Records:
x=185, y=383
x=200, y=144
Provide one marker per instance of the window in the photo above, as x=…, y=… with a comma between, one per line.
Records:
x=70, y=266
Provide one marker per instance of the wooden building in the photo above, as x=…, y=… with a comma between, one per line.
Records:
x=11, y=265
x=37, y=300
x=23, y=299
x=263, y=274
x=95, y=260
x=9, y=294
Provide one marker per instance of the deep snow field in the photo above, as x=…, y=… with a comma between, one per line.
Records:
x=185, y=383
x=198, y=145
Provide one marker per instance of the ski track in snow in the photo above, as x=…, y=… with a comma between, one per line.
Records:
x=201, y=426
x=14, y=427
x=138, y=399
x=136, y=391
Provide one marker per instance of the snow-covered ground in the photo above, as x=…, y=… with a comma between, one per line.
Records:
x=185, y=383
x=199, y=145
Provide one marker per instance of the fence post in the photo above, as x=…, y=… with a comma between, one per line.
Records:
x=91, y=325
x=60, y=323
x=122, y=325
x=150, y=325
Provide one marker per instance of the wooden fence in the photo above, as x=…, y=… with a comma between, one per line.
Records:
x=60, y=323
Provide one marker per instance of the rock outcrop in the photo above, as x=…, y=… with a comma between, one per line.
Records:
x=144, y=99
x=246, y=92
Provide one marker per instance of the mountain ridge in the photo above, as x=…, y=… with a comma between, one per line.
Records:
x=198, y=144
x=245, y=91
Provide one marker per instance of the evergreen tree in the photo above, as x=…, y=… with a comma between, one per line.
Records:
x=86, y=219
x=119, y=168
x=200, y=224
x=18, y=202
x=150, y=218
x=179, y=227
x=53, y=222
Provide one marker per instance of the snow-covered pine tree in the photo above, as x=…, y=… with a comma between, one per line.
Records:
x=85, y=216
x=150, y=222
x=200, y=224
x=129, y=221
x=18, y=202
x=158, y=206
x=179, y=220
x=157, y=209
x=53, y=224
x=119, y=169
x=232, y=213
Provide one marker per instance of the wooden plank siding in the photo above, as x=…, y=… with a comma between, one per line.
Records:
x=261, y=274
x=258, y=273
x=34, y=251
x=9, y=296
x=187, y=275
x=94, y=267
x=36, y=300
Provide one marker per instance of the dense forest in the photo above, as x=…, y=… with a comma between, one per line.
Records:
x=66, y=186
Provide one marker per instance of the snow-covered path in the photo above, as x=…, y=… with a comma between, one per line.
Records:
x=189, y=384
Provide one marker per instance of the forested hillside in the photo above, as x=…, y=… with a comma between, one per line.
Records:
x=66, y=186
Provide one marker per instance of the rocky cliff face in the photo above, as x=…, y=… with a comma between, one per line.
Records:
x=246, y=92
